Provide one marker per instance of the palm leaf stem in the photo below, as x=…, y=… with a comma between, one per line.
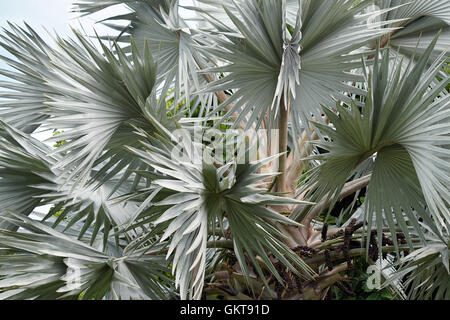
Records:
x=221, y=95
x=348, y=189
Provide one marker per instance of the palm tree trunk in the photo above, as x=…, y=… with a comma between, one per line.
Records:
x=283, y=124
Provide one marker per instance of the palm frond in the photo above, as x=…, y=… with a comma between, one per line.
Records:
x=22, y=103
x=28, y=181
x=202, y=196
x=170, y=39
x=402, y=129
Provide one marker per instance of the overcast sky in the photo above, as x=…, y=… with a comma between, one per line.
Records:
x=51, y=13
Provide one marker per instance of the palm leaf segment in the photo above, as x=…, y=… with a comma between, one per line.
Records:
x=401, y=128
x=425, y=271
x=86, y=7
x=203, y=196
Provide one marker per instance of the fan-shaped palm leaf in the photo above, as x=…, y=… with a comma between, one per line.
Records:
x=401, y=128
x=106, y=90
x=263, y=60
x=170, y=40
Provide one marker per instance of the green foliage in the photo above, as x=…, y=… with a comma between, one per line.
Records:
x=61, y=142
